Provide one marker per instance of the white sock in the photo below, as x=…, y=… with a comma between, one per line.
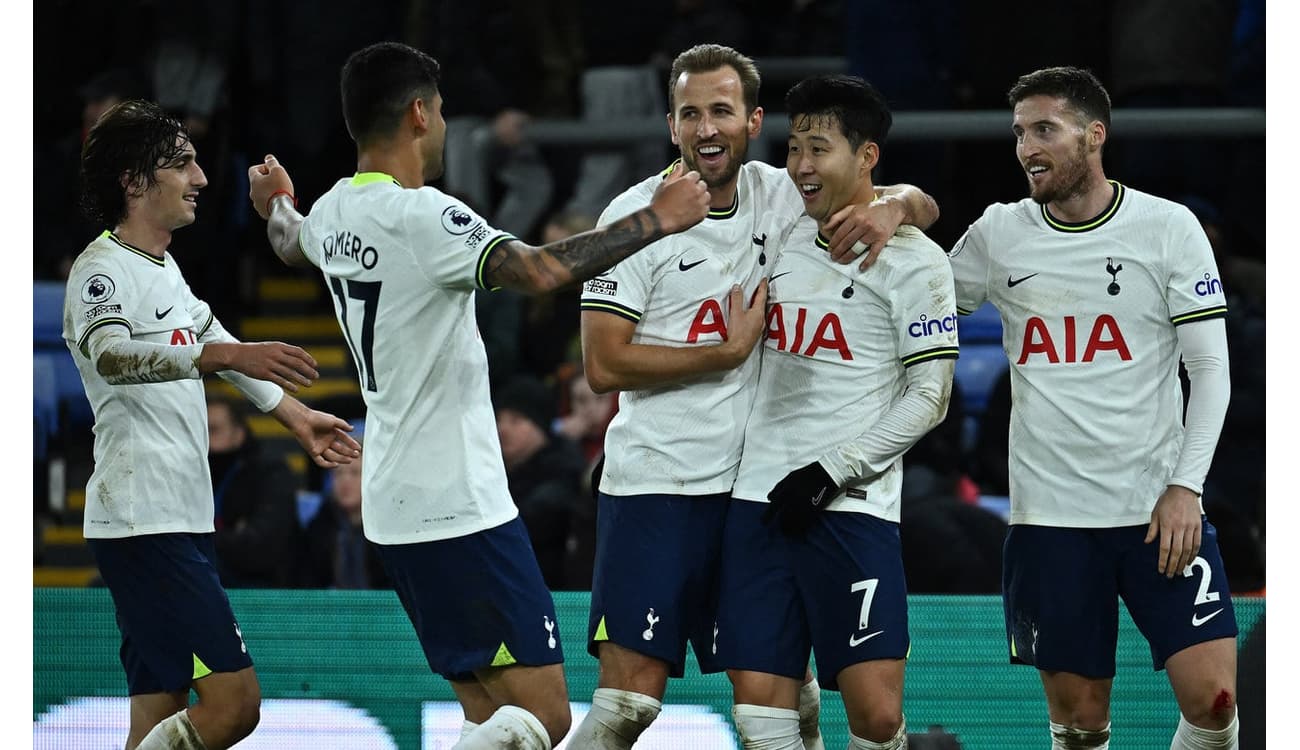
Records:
x=810, y=709
x=767, y=728
x=1190, y=737
x=173, y=733
x=466, y=727
x=1069, y=738
x=897, y=742
x=616, y=719
x=509, y=726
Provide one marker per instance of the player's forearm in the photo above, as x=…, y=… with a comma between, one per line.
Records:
x=282, y=231
x=630, y=367
x=261, y=393
x=915, y=207
x=921, y=407
x=121, y=361
x=536, y=270
x=1205, y=353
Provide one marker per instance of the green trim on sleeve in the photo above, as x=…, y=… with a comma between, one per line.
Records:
x=611, y=307
x=1209, y=313
x=479, y=281
x=943, y=352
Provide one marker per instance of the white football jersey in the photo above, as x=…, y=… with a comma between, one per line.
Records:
x=151, y=439
x=838, y=343
x=402, y=266
x=685, y=439
x=1088, y=322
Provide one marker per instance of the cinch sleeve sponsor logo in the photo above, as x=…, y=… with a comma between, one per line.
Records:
x=924, y=326
x=1208, y=285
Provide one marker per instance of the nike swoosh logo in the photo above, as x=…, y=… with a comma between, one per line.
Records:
x=855, y=642
x=163, y=314
x=1199, y=621
x=1012, y=282
x=682, y=265
x=779, y=275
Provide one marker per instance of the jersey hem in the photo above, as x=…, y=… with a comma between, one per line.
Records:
x=140, y=530
x=445, y=533
x=1030, y=519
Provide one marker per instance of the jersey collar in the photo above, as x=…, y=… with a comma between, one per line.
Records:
x=1090, y=224
x=126, y=246
x=714, y=213
x=366, y=178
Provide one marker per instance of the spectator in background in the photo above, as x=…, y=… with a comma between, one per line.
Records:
x=543, y=471
x=254, y=495
x=588, y=416
x=336, y=553
x=548, y=332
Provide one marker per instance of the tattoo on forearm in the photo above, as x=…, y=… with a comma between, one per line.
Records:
x=577, y=258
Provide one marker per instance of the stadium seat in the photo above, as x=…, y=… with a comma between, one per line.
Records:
x=978, y=370
x=74, y=405
x=984, y=326
x=47, y=313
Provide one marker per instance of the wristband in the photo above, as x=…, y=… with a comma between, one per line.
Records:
x=276, y=193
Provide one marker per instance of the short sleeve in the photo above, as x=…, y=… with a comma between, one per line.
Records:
x=969, y=260
x=98, y=295
x=453, y=241
x=922, y=307
x=1194, y=291
x=624, y=289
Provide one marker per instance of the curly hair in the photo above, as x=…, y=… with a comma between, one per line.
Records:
x=123, y=153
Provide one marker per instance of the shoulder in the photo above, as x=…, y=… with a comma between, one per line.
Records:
x=1146, y=205
x=632, y=199
x=911, y=250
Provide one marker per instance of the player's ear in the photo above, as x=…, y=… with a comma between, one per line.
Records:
x=869, y=153
x=755, y=124
x=1096, y=134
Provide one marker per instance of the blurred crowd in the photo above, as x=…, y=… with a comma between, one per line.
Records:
x=251, y=78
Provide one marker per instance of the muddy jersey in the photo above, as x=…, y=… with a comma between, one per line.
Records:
x=685, y=439
x=1089, y=315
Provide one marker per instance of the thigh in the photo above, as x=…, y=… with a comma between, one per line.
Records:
x=1179, y=612
x=654, y=587
x=476, y=601
x=1061, y=600
x=851, y=581
x=761, y=624
x=872, y=690
x=175, y=619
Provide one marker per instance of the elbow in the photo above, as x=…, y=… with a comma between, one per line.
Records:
x=600, y=380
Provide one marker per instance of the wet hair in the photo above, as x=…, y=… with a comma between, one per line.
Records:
x=1079, y=87
x=377, y=84
x=703, y=58
x=130, y=142
x=860, y=109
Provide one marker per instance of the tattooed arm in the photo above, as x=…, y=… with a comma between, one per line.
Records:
x=679, y=203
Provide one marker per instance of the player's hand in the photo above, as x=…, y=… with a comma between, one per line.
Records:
x=264, y=181
x=325, y=438
x=681, y=201
x=746, y=324
x=285, y=365
x=1176, y=522
x=858, y=228
x=796, y=500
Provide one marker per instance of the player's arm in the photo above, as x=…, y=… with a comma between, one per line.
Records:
x=857, y=228
x=797, y=498
x=271, y=191
x=324, y=436
x=1176, y=518
x=613, y=363
x=681, y=201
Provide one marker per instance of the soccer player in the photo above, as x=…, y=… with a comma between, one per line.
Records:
x=674, y=330
x=142, y=342
x=402, y=262
x=857, y=366
x=1102, y=289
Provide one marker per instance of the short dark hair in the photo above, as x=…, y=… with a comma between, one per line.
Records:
x=703, y=58
x=378, y=82
x=861, y=109
x=1077, y=86
x=134, y=139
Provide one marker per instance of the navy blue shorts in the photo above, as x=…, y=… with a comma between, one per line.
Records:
x=476, y=601
x=840, y=592
x=1061, y=590
x=175, y=619
x=655, y=581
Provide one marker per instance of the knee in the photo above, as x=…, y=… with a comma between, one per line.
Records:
x=557, y=719
x=1215, y=712
x=877, y=724
x=238, y=712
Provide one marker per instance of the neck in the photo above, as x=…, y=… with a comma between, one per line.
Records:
x=400, y=160
x=1086, y=204
x=140, y=233
x=865, y=193
x=721, y=198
